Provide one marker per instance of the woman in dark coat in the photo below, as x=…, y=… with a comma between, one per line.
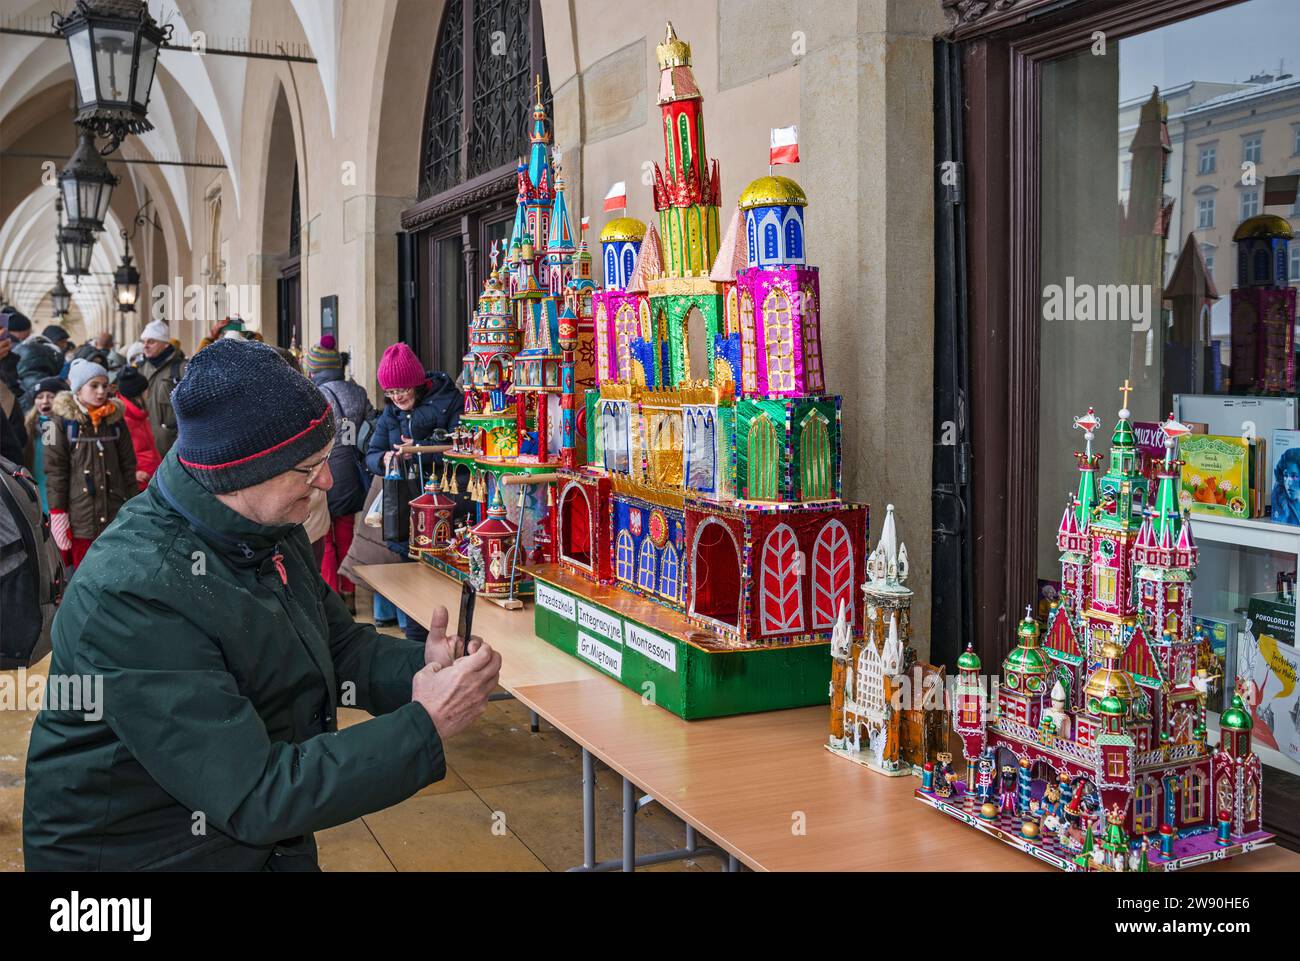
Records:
x=90, y=466
x=419, y=402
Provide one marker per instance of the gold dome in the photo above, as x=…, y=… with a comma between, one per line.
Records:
x=622, y=228
x=673, y=52
x=771, y=191
x=1106, y=678
x=1263, y=225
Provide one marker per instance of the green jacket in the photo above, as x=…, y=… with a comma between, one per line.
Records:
x=218, y=747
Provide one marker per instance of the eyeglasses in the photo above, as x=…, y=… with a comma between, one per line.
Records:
x=312, y=471
x=399, y=392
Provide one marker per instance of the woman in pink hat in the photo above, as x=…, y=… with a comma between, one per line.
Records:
x=418, y=403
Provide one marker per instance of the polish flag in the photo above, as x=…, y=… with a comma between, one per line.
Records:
x=785, y=146
x=616, y=199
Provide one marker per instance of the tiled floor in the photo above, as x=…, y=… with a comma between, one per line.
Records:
x=511, y=801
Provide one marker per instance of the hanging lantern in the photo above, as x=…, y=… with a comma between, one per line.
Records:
x=126, y=281
x=113, y=45
x=78, y=246
x=86, y=185
x=60, y=297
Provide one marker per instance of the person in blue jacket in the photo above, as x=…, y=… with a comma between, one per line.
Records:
x=418, y=403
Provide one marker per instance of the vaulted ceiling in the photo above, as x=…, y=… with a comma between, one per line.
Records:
x=189, y=92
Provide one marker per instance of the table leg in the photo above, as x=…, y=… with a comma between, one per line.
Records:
x=629, y=825
x=588, y=810
x=534, y=722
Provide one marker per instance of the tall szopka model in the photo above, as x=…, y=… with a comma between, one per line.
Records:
x=1096, y=757
x=704, y=549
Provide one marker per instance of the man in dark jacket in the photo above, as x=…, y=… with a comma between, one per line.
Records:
x=9, y=355
x=164, y=366
x=213, y=740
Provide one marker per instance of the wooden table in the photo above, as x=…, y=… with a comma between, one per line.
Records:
x=761, y=786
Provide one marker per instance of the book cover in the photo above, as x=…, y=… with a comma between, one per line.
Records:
x=1151, y=445
x=1267, y=670
x=1216, y=475
x=1284, y=476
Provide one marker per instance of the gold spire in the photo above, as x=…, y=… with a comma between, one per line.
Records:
x=673, y=52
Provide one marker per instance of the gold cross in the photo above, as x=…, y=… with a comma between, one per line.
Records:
x=1126, y=390
x=539, y=88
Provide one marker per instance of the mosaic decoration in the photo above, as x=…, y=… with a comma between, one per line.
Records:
x=710, y=492
x=1093, y=754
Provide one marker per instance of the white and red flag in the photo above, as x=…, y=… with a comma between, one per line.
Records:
x=785, y=146
x=616, y=199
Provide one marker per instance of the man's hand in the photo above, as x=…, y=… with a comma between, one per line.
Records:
x=443, y=649
x=456, y=696
x=141, y=477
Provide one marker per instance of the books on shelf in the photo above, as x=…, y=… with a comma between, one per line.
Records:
x=1284, y=477
x=1217, y=474
x=1267, y=668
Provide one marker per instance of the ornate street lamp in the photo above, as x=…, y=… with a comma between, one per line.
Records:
x=126, y=281
x=78, y=246
x=60, y=296
x=86, y=185
x=114, y=47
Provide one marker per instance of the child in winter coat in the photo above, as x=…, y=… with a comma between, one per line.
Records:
x=39, y=434
x=90, y=466
x=131, y=388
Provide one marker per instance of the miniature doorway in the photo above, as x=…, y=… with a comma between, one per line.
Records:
x=575, y=527
x=715, y=573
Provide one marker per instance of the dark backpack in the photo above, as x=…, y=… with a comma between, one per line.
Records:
x=32, y=577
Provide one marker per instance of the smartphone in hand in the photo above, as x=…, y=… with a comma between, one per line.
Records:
x=465, y=626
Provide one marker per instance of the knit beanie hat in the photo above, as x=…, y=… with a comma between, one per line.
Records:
x=321, y=357
x=83, y=370
x=15, y=321
x=54, y=333
x=243, y=416
x=52, y=385
x=400, y=368
x=155, y=330
x=131, y=383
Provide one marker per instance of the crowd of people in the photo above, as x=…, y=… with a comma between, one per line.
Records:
x=93, y=424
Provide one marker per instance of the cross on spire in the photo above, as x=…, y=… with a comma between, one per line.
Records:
x=537, y=83
x=1126, y=390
